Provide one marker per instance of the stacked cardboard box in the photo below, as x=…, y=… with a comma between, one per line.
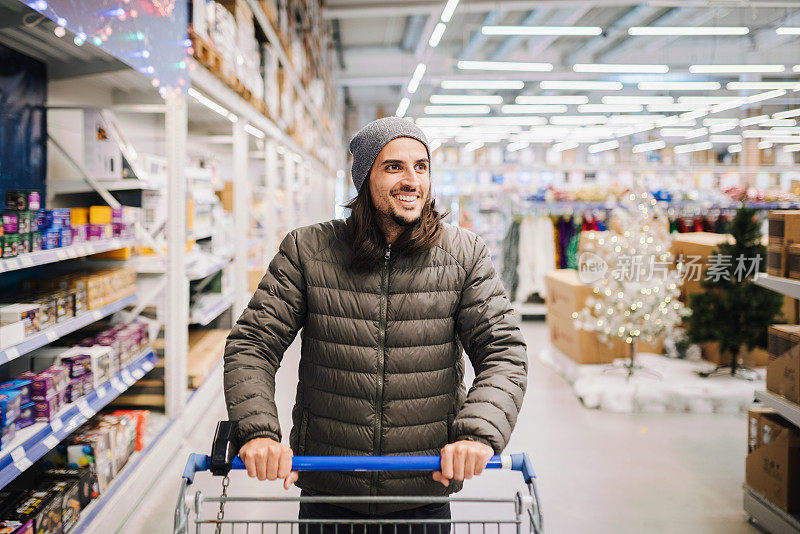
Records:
x=566, y=294
x=784, y=231
x=783, y=371
x=773, y=462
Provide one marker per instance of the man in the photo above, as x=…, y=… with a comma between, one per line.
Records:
x=386, y=300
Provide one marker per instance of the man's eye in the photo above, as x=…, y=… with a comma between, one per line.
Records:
x=422, y=166
x=393, y=167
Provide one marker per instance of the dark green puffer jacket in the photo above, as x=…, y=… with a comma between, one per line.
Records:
x=381, y=370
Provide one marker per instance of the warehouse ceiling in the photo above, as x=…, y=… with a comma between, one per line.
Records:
x=382, y=43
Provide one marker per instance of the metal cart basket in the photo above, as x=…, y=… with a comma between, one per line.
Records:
x=527, y=517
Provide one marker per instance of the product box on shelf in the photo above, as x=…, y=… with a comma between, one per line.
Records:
x=10, y=222
x=784, y=227
x=27, y=415
x=10, y=245
x=82, y=477
x=27, y=313
x=101, y=362
x=23, y=200
x=777, y=260
x=92, y=447
x=68, y=491
x=10, y=406
x=773, y=468
x=23, y=386
x=783, y=374
x=793, y=261
x=41, y=507
x=755, y=436
x=8, y=526
x=11, y=333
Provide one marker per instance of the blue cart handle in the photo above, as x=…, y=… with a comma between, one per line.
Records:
x=513, y=462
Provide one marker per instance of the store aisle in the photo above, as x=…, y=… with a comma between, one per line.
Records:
x=598, y=472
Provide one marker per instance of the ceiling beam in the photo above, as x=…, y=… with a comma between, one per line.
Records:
x=478, y=38
x=415, y=25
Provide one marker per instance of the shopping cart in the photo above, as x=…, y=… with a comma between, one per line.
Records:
x=527, y=510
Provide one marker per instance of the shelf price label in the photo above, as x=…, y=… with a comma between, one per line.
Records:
x=117, y=385
x=61, y=255
x=50, y=441
x=138, y=373
x=18, y=454
x=51, y=335
x=84, y=408
x=26, y=261
x=23, y=463
x=127, y=378
x=12, y=353
x=101, y=393
x=56, y=425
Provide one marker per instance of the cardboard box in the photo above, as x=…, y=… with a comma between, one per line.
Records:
x=777, y=264
x=695, y=247
x=793, y=261
x=783, y=375
x=749, y=358
x=226, y=196
x=755, y=437
x=784, y=227
x=205, y=349
x=773, y=469
x=254, y=277
x=781, y=338
x=565, y=292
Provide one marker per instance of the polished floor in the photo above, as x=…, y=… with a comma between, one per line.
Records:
x=598, y=472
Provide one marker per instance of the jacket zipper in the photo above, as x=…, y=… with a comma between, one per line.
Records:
x=376, y=440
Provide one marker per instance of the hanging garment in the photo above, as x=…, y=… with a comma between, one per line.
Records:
x=537, y=256
x=556, y=240
x=509, y=275
x=697, y=224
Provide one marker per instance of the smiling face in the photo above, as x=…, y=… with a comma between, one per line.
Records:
x=399, y=183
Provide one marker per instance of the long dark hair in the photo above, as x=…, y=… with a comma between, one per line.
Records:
x=368, y=244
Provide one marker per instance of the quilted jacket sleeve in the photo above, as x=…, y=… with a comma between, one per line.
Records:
x=490, y=335
x=256, y=344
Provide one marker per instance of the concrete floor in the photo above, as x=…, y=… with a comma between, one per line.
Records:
x=597, y=472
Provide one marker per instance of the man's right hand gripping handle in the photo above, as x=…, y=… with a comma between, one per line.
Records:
x=266, y=459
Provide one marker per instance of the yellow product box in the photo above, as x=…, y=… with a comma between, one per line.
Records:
x=100, y=215
x=79, y=216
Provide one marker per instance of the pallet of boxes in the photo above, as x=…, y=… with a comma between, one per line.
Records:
x=695, y=250
x=566, y=294
x=773, y=459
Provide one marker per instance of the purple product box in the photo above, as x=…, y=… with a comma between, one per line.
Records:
x=80, y=233
x=45, y=219
x=88, y=383
x=117, y=215
x=34, y=200
x=117, y=230
x=23, y=385
x=43, y=386
x=95, y=232
x=77, y=365
x=27, y=415
x=75, y=389
x=46, y=409
x=66, y=237
x=62, y=218
x=51, y=239
x=36, y=241
x=10, y=223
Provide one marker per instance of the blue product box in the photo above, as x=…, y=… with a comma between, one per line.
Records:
x=66, y=237
x=51, y=239
x=27, y=415
x=18, y=384
x=11, y=406
x=45, y=220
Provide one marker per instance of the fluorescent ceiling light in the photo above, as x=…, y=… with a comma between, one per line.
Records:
x=602, y=147
x=753, y=120
x=734, y=69
x=672, y=108
x=467, y=99
x=578, y=119
x=475, y=145
x=634, y=119
x=648, y=147
x=706, y=100
x=763, y=133
x=419, y=72
x=457, y=110
x=786, y=30
x=620, y=68
x=517, y=145
x=779, y=123
x=610, y=108
x=210, y=104
x=644, y=100
x=535, y=108
x=570, y=85
x=252, y=130
x=787, y=114
x=766, y=95
x=733, y=86
x=688, y=30
x=679, y=86
x=694, y=147
x=696, y=114
x=561, y=147
x=437, y=34
x=674, y=132
x=552, y=99
x=723, y=126
x=698, y=132
x=792, y=148
x=735, y=149
x=449, y=9
x=730, y=104
x=725, y=138
x=482, y=84
x=505, y=65
x=541, y=30
x=481, y=121
x=787, y=130
x=402, y=107
x=764, y=145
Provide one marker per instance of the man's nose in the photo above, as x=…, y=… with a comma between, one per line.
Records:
x=410, y=179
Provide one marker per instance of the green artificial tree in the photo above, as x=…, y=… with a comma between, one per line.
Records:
x=733, y=310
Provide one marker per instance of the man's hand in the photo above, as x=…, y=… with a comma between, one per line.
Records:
x=462, y=460
x=266, y=459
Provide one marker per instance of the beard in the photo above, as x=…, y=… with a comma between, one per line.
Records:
x=404, y=221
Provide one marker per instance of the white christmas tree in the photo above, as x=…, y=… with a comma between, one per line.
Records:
x=635, y=289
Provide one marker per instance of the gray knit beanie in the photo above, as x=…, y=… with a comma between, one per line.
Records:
x=370, y=140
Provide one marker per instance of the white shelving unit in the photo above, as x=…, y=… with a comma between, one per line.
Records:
x=761, y=511
x=114, y=86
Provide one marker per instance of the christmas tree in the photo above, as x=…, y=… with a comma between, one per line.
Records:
x=733, y=310
x=636, y=296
